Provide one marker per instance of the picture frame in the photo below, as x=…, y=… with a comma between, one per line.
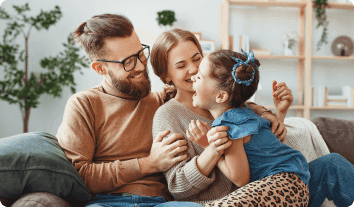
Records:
x=207, y=46
x=198, y=35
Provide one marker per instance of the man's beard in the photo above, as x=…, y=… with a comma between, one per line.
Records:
x=137, y=90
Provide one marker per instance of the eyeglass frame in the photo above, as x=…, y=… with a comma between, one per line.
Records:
x=135, y=60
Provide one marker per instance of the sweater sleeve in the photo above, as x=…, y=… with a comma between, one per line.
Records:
x=258, y=109
x=184, y=179
x=77, y=137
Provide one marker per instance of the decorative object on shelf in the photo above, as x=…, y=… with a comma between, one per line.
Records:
x=207, y=46
x=198, y=35
x=320, y=97
x=290, y=39
x=166, y=18
x=320, y=7
x=19, y=85
x=342, y=46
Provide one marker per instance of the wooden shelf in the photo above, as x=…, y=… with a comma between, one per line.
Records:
x=278, y=57
x=266, y=3
x=331, y=107
x=334, y=57
x=306, y=18
x=335, y=5
x=291, y=107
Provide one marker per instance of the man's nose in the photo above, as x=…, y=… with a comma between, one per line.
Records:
x=140, y=66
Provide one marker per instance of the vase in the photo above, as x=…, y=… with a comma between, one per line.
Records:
x=287, y=51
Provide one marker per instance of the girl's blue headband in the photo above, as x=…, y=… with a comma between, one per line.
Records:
x=239, y=62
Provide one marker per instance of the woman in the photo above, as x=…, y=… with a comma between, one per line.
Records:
x=175, y=58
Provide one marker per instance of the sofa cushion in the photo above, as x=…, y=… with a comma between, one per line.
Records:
x=41, y=200
x=338, y=135
x=34, y=162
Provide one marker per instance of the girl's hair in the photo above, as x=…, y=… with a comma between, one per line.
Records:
x=221, y=64
x=93, y=33
x=162, y=46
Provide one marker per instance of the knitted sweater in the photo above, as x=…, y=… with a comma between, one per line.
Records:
x=184, y=179
x=103, y=136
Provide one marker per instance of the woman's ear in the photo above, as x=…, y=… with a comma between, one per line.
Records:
x=222, y=97
x=98, y=68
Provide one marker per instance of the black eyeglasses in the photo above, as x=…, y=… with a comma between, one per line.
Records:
x=129, y=63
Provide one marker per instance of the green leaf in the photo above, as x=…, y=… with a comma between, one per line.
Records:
x=73, y=90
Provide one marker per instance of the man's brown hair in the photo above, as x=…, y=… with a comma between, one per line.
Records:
x=92, y=33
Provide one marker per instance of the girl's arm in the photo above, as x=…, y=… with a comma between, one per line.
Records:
x=208, y=159
x=234, y=163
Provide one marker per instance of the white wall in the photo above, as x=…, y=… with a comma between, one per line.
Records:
x=264, y=25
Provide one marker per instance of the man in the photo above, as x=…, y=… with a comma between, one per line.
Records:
x=106, y=130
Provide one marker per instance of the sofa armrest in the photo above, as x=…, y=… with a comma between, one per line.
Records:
x=338, y=135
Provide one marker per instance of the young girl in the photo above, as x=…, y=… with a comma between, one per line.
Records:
x=279, y=174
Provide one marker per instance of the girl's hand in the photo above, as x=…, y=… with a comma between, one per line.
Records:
x=197, y=133
x=218, y=139
x=282, y=96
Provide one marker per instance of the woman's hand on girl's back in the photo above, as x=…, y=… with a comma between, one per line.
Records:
x=197, y=133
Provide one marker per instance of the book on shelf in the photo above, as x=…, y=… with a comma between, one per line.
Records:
x=243, y=44
x=317, y=96
x=320, y=97
x=260, y=52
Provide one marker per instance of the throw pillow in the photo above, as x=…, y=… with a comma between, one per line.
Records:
x=35, y=162
x=338, y=135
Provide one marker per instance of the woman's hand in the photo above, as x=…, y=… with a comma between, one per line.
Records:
x=282, y=98
x=197, y=133
x=277, y=126
x=168, y=92
x=218, y=139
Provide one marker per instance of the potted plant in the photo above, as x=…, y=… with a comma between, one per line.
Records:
x=20, y=87
x=166, y=18
x=290, y=39
x=320, y=7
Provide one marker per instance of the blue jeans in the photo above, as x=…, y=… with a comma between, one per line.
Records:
x=136, y=201
x=332, y=177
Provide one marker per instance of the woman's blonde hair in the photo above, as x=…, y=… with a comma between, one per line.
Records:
x=162, y=46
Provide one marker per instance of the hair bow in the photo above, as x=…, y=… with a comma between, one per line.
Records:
x=250, y=57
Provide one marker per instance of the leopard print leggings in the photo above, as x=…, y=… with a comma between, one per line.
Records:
x=281, y=189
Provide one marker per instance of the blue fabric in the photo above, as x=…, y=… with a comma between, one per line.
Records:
x=265, y=153
x=136, y=201
x=332, y=177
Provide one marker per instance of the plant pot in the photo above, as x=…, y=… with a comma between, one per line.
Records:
x=168, y=28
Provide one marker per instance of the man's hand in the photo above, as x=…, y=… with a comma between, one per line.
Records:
x=163, y=154
x=277, y=126
x=197, y=133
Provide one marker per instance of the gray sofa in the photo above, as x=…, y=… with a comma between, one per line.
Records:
x=327, y=135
